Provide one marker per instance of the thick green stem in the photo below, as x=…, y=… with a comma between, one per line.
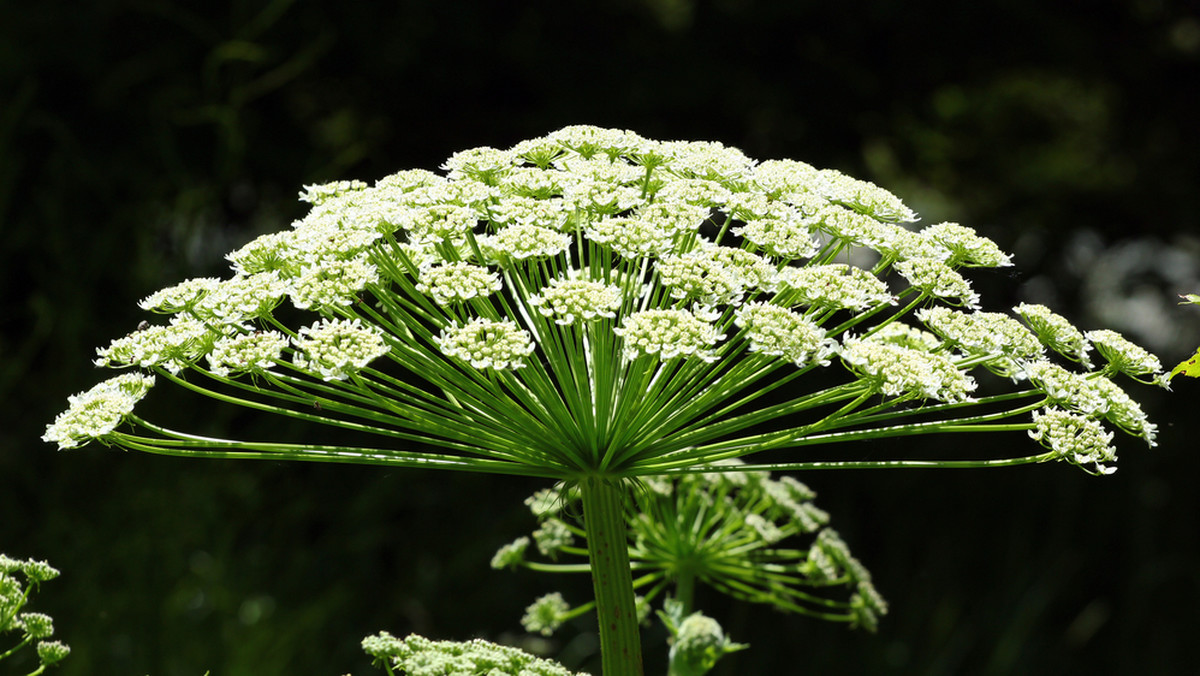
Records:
x=604, y=519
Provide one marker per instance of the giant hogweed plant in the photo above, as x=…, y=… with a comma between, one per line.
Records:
x=597, y=308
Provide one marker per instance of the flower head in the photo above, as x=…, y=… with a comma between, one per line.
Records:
x=335, y=349
x=1076, y=439
x=96, y=413
x=668, y=334
x=457, y=282
x=487, y=344
x=901, y=371
x=571, y=301
x=1124, y=356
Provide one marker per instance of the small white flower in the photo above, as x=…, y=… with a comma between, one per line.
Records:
x=242, y=298
x=698, y=275
x=331, y=283
x=577, y=300
x=481, y=164
x=938, y=279
x=1076, y=439
x=1055, y=332
x=898, y=371
x=318, y=193
x=273, y=252
x=779, y=332
x=173, y=346
x=967, y=247
x=487, y=344
x=783, y=177
x=457, y=282
x=864, y=197
x=633, y=237
x=782, y=238
x=528, y=211
x=693, y=191
x=552, y=536
x=180, y=297
x=833, y=287
x=334, y=349
x=984, y=333
x=96, y=413
x=899, y=333
x=668, y=334
x=252, y=352
x=1124, y=356
x=524, y=241
x=440, y=222
x=1073, y=390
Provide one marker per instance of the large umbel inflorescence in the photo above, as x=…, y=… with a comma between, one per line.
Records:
x=594, y=301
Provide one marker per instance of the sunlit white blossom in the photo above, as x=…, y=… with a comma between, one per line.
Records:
x=335, y=349
x=97, y=412
x=938, y=279
x=668, y=334
x=790, y=239
x=983, y=333
x=966, y=246
x=575, y=300
x=250, y=352
x=523, y=241
x=1123, y=355
x=172, y=346
x=318, y=193
x=331, y=283
x=833, y=287
x=1055, y=332
x=487, y=344
x=180, y=297
x=456, y=282
x=779, y=332
x=1076, y=439
x=632, y=237
x=898, y=371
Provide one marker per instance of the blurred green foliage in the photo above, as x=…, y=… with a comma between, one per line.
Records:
x=141, y=140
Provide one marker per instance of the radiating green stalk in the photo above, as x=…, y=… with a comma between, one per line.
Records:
x=604, y=519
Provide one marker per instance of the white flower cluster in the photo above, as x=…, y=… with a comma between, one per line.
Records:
x=1123, y=356
x=935, y=277
x=633, y=237
x=180, y=297
x=668, y=334
x=1093, y=395
x=246, y=353
x=1055, y=332
x=1077, y=439
x=523, y=241
x=333, y=283
x=782, y=238
x=487, y=344
x=418, y=656
x=172, y=347
x=899, y=371
x=96, y=413
x=335, y=349
x=966, y=247
x=456, y=282
x=833, y=287
x=571, y=301
x=777, y=331
x=989, y=334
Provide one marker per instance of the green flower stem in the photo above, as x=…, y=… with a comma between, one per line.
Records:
x=883, y=464
x=188, y=445
x=604, y=518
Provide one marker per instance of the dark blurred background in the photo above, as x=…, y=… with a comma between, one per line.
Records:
x=140, y=140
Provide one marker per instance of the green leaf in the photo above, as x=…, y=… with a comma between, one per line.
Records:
x=1191, y=367
x=1190, y=298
